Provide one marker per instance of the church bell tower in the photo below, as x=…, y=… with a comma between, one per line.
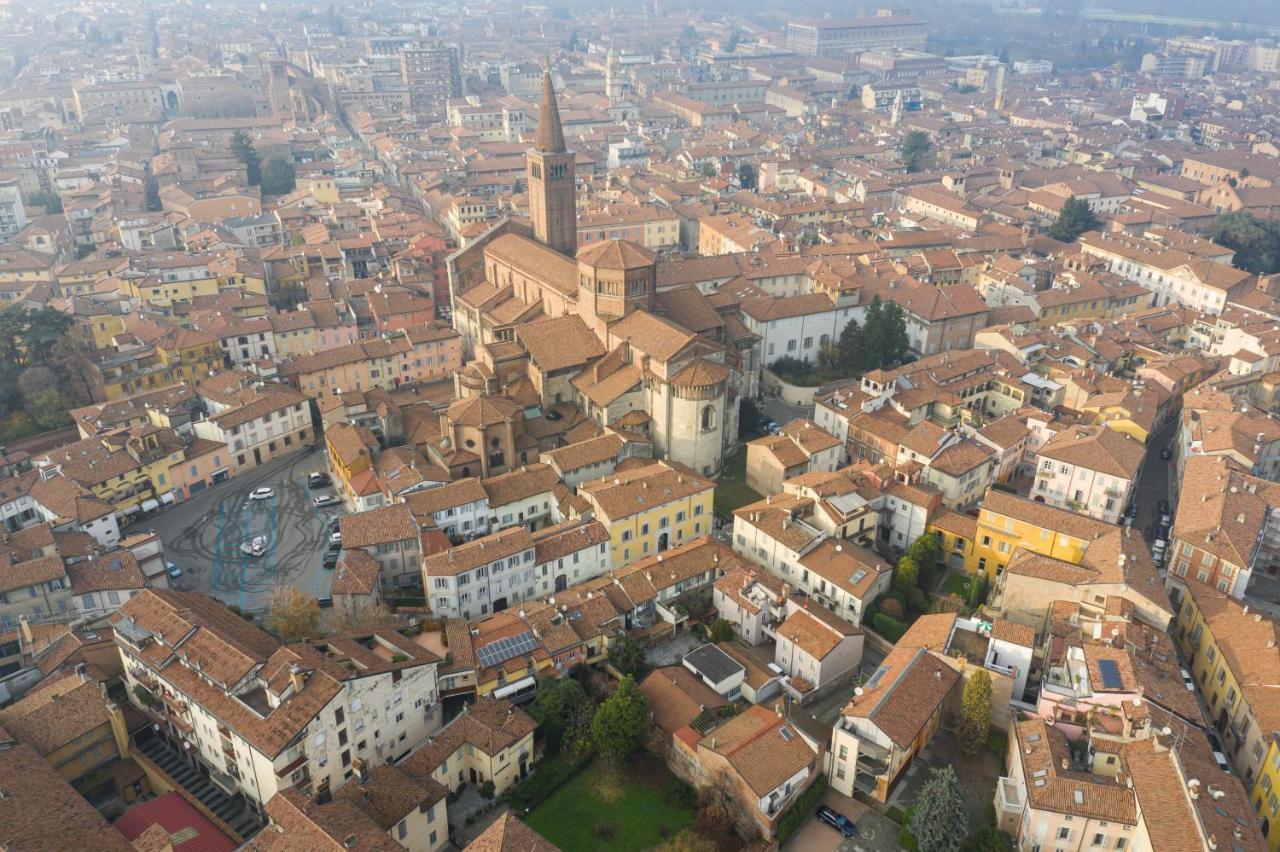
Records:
x=552, y=192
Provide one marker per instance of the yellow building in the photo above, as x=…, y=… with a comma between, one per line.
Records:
x=177, y=355
x=1234, y=660
x=650, y=509
x=76, y=729
x=123, y=468
x=155, y=290
x=489, y=741
x=1007, y=522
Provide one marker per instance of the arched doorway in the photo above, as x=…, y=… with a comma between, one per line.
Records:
x=663, y=542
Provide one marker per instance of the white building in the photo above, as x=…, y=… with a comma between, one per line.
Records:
x=459, y=508
x=797, y=326
x=258, y=717
x=1089, y=469
x=258, y=421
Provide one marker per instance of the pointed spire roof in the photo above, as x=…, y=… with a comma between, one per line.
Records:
x=550, y=135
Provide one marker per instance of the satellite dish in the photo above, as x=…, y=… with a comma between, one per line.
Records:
x=857, y=691
x=1166, y=730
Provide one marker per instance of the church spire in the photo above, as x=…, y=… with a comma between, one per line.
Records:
x=550, y=136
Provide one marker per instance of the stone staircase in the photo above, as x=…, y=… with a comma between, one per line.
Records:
x=231, y=810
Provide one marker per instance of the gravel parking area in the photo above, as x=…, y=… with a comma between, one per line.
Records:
x=203, y=535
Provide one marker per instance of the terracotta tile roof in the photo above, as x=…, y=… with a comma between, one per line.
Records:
x=301, y=823
x=528, y=481
x=626, y=493
x=33, y=791
x=764, y=748
x=815, y=636
x=1097, y=448
x=114, y=570
x=378, y=526
x=57, y=712
x=490, y=725
x=1053, y=785
x=480, y=551
x=387, y=794
x=508, y=834
x=677, y=697
x=560, y=343
x=356, y=574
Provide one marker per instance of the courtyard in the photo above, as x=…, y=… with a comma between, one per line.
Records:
x=633, y=808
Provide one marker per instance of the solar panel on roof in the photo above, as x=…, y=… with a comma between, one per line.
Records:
x=504, y=649
x=1110, y=674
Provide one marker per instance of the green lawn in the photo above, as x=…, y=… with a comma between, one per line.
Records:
x=731, y=489
x=954, y=584
x=637, y=809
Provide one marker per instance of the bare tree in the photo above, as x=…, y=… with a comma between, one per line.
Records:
x=294, y=616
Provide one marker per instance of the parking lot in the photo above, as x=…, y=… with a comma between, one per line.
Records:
x=876, y=833
x=203, y=536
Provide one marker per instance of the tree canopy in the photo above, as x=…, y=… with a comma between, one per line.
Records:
x=562, y=710
x=1256, y=241
x=294, y=615
x=880, y=340
x=975, y=712
x=43, y=370
x=278, y=177
x=619, y=723
x=1074, y=219
x=939, y=821
x=242, y=149
x=916, y=151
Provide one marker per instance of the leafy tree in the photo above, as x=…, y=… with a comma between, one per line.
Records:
x=978, y=588
x=907, y=576
x=151, y=192
x=278, y=176
x=1004, y=56
x=975, y=713
x=989, y=840
x=561, y=708
x=294, y=615
x=708, y=170
x=50, y=201
x=789, y=365
x=731, y=44
x=939, y=822
x=1256, y=241
x=849, y=347
x=747, y=176
x=916, y=151
x=924, y=551
x=896, y=343
x=628, y=657
x=619, y=723
x=749, y=418
x=1074, y=219
x=242, y=149
x=721, y=631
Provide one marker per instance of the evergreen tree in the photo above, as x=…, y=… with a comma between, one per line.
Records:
x=1256, y=241
x=940, y=822
x=747, y=176
x=1074, y=219
x=896, y=342
x=975, y=713
x=916, y=151
x=619, y=723
x=278, y=177
x=872, y=338
x=242, y=149
x=849, y=347
x=907, y=577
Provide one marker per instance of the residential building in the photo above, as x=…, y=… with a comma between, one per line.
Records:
x=649, y=509
x=263, y=717
x=490, y=741
x=1089, y=469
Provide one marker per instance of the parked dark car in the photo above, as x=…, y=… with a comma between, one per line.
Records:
x=330, y=560
x=318, y=480
x=1162, y=507
x=837, y=820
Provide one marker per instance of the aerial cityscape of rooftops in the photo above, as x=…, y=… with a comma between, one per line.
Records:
x=696, y=428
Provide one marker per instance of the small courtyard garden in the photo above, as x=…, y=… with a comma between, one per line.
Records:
x=636, y=806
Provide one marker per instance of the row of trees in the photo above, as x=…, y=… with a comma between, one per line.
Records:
x=880, y=340
x=276, y=177
x=1256, y=241
x=44, y=370
x=570, y=722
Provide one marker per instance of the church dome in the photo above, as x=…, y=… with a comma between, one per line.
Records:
x=616, y=254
